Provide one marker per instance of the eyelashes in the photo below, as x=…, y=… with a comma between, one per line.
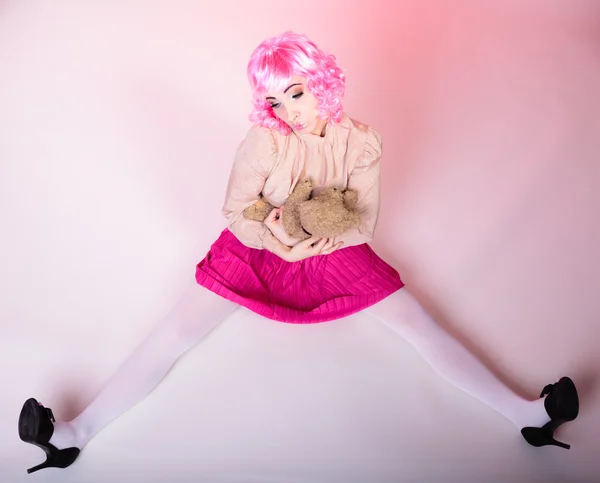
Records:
x=295, y=96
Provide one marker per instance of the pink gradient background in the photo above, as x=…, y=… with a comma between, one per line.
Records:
x=118, y=124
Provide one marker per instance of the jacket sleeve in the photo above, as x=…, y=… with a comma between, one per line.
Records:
x=254, y=160
x=364, y=179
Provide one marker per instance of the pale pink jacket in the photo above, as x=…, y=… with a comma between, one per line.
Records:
x=271, y=163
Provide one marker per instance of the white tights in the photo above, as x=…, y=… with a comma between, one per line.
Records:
x=199, y=311
x=193, y=317
x=402, y=313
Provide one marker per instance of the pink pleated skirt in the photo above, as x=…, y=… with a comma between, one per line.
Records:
x=317, y=289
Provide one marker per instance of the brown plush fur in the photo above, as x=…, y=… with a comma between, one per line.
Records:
x=259, y=210
x=328, y=214
x=291, y=215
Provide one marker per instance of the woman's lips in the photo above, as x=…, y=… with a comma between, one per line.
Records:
x=300, y=126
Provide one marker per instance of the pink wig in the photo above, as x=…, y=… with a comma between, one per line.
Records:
x=273, y=64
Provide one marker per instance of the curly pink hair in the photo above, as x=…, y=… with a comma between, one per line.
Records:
x=277, y=59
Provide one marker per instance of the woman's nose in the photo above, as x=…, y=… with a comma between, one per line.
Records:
x=292, y=114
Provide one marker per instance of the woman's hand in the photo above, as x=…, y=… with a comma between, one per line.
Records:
x=273, y=223
x=309, y=248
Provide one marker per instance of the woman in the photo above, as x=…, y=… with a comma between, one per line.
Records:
x=300, y=131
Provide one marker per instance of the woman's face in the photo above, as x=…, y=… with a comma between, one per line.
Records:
x=297, y=107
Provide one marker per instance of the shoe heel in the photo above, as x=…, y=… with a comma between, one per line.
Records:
x=558, y=443
x=56, y=458
x=36, y=427
x=539, y=437
x=45, y=464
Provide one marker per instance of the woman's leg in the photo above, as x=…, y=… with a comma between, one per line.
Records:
x=192, y=318
x=405, y=316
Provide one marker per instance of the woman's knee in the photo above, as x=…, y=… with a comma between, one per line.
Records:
x=399, y=310
x=197, y=313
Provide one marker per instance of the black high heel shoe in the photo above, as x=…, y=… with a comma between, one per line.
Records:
x=562, y=405
x=35, y=427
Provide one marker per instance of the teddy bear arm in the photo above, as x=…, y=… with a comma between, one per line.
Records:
x=350, y=199
x=259, y=210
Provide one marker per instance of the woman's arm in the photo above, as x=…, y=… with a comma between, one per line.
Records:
x=254, y=160
x=365, y=180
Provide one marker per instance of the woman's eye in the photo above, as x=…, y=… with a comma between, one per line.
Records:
x=275, y=106
x=297, y=96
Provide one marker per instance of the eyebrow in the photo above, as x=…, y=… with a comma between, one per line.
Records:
x=287, y=89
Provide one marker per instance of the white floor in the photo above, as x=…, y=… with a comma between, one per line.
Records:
x=262, y=402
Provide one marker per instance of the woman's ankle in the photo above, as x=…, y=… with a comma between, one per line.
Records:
x=68, y=434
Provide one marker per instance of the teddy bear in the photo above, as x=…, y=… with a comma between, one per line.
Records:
x=328, y=214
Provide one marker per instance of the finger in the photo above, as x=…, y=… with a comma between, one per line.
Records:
x=276, y=218
x=332, y=249
x=325, y=248
x=328, y=245
x=309, y=242
x=271, y=216
x=319, y=246
x=337, y=246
